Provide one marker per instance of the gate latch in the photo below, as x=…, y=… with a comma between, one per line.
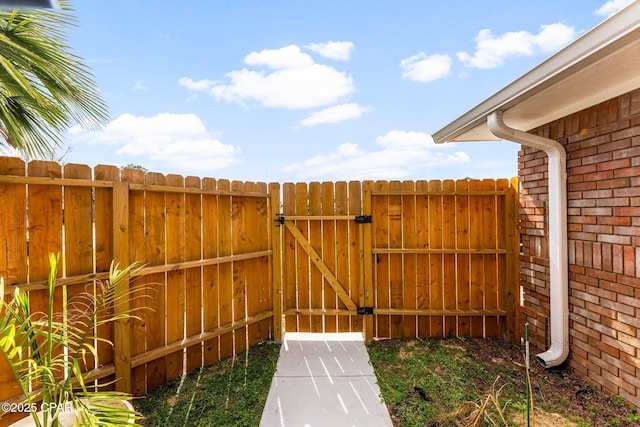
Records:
x=279, y=219
x=363, y=219
x=363, y=311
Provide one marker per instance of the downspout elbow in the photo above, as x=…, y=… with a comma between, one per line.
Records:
x=558, y=244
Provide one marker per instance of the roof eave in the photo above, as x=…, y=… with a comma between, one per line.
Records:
x=601, y=42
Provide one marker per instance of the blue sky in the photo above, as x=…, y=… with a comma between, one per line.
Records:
x=281, y=90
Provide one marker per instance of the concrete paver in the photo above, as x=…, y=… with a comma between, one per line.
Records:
x=324, y=380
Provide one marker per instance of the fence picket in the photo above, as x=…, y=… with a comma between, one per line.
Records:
x=329, y=253
x=193, y=276
x=210, y=281
x=380, y=211
x=410, y=261
x=449, y=260
x=225, y=269
x=355, y=208
x=422, y=260
x=463, y=261
x=137, y=254
x=342, y=251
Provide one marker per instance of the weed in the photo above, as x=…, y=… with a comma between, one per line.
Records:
x=229, y=393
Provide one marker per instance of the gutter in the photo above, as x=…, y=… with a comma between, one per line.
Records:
x=558, y=244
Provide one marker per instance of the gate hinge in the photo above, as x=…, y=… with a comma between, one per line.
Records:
x=363, y=311
x=279, y=219
x=363, y=219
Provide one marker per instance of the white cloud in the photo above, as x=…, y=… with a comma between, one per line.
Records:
x=141, y=85
x=294, y=82
x=425, y=68
x=491, y=50
x=611, y=7
x=335, y=114
x=181, y=141
x=401, y=154
x=278, y=59
x=200, y=85
x=340, y=51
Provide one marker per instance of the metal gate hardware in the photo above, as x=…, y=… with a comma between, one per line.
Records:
x=363, y=311
x=279, y=219
x=363, y=219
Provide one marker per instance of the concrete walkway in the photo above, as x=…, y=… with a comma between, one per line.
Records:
x=324, y=380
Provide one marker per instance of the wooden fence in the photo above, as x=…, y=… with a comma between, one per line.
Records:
x=231, y=264
x=205, y=243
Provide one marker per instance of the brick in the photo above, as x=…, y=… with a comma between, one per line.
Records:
x=584, y=169
x=625, y=212
x=629, y=319
x=601, y=292
x=601, y=310
x=605, y=368
x=597, y=159
x=628, y=383
x=631, y=151
x=617, y=254
x=625, y=349
x=585, y=296
x=598, y=194
x=584, y=314
x=597, y=229
x=597, y=255
x=601, y=275
x=613, y=201
x=614, y=164
x=628, y=172
x=599, y=175
x=628, y=339
x=625, y=133
x=630, y=281
x=604, y=329
x=622, y=328
x=601, y=211
x=627, y=231
x=630, y=259
x=580, y=151
x=615, y=240
x=621, y=309
x=627, y=191
x=614, y=220
x=614, y=183
x=607, y=257
x=615, y=146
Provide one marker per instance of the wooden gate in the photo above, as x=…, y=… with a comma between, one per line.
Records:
x=399, y=259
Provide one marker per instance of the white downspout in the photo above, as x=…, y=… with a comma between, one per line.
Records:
x=558, y=258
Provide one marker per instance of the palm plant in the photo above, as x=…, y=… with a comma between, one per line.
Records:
x=46, y=352
x=44, y=87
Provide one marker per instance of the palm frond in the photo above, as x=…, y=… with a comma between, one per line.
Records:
x=44, y=87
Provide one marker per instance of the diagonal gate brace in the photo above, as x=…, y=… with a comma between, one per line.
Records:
x=317, y=261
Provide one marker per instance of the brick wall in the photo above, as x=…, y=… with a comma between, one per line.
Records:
x=603, y=186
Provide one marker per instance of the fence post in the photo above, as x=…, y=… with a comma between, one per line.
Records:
x=122, y=328
x=276, y=247
x=366, y=268
x=513, y=250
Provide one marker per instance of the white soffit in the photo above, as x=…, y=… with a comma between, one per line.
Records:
x=600, y=65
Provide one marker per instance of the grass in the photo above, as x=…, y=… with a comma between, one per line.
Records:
x=431, y=382
x=230, y=393
x=459, y=381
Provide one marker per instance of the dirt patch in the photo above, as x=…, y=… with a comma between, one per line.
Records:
x=441, y=382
